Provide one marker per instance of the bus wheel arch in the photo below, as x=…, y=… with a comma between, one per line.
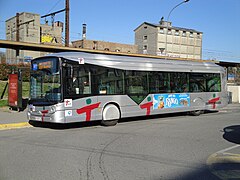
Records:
x=111, y=114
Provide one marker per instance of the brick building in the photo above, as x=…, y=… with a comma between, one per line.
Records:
x=106, y=46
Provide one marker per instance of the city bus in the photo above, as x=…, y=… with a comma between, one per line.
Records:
x=70, y=87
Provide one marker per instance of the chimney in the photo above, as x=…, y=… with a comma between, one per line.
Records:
x=84, y=30
x=59, y=24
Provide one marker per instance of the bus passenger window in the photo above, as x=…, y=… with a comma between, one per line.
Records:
x=77, y=80
x=179, y=82
x=197, y=82
x=213, y=83
x=108, y=81
x=159, y=82
x=136, y=82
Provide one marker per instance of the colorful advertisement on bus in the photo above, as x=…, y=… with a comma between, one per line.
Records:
x=161, y=101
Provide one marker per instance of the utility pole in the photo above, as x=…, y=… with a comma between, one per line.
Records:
x=66, y=21
x=67, y=24
x=17, y=32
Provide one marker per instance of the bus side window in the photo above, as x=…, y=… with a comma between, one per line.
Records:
x=159, y=82
x=194, y=87
x=213, y=83
x=107, y=81
x=136, y=82
x=197, y=82
x=179, y=82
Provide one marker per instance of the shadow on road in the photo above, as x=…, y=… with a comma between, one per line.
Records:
x=201, y=173
x=232, y=134
x=151, y=117
x=98, y=123
x=59, y=126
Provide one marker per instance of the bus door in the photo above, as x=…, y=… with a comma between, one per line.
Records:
x=77, y=85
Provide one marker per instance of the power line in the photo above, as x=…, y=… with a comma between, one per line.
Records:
x=54, y=6
x=216, y=50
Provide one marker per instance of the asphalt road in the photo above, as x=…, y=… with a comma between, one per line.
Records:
x=167, y=147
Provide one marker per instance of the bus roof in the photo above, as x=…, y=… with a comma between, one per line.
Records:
x=142, y=63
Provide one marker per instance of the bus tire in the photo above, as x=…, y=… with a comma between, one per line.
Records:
x=196, y=113
x=111, y=115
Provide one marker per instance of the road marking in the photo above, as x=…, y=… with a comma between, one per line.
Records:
x=227, y=149
x=225, y=165
x=14, y=125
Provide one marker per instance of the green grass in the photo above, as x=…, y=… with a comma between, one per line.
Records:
x=4, y=101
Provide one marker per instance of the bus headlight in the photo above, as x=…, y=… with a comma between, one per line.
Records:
x=52, y=109
x=31, y=107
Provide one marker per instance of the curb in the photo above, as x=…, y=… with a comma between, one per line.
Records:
x=225, y=165
x=14, y=125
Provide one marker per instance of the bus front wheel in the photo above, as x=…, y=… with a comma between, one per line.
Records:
x=110, y=115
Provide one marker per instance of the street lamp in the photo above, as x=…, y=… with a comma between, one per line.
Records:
x=168, y=20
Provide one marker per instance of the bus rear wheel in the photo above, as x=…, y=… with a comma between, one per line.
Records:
x=196, y=113
x=110, y=115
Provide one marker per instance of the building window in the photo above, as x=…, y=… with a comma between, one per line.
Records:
x=161, y=30
x=145, y=47
x=145, y=27
x=117, y=50
x=106, y=49
x=145, y=37
x=184, y=33
x=198, y=35
x=191, y=34
x=169, y=31
x=177, y=33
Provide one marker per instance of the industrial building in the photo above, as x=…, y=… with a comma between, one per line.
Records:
x=26, y=27
x=166, y=40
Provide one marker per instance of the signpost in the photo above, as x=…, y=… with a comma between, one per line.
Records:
x=15, y=91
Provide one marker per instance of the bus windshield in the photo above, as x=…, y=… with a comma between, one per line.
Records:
x=45, y=81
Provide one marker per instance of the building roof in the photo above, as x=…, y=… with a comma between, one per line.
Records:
x=164, y=26
x=89, y=40
x=228, y=64
x=21, y=14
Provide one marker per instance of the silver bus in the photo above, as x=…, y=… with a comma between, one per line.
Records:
x=86, y=86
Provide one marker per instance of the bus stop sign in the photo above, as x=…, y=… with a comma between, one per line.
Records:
x=13, y=90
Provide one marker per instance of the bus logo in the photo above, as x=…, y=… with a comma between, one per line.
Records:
x=147, y=106
x=214, y=101
x=80, y=60
x=67, y=102
x=68, y=113
x=88, y=109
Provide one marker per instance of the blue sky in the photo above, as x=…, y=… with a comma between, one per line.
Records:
x=115, y=21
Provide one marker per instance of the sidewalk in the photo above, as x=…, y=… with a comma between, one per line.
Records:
x=10, y=116
x=234, y=107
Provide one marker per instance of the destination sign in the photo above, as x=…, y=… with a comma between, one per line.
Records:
x=45, y=65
